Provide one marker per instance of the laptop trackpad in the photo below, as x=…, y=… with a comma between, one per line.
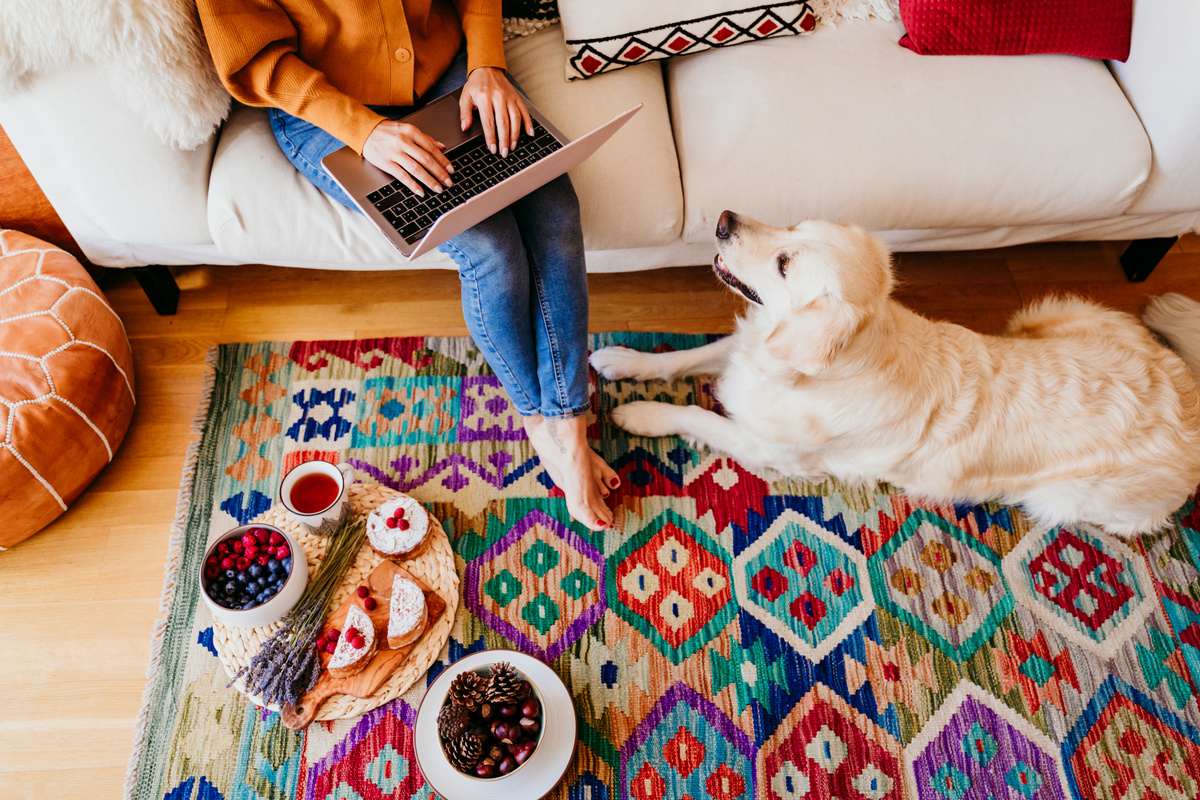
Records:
x=440, y=119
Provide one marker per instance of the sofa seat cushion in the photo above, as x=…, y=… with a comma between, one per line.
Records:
x=262, y=210
x=847, y=125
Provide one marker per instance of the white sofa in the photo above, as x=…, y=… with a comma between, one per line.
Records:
x=931, y=152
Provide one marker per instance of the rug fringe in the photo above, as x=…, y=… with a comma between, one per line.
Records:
x=174, y=549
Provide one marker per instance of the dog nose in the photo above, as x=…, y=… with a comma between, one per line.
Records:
x=724, y=223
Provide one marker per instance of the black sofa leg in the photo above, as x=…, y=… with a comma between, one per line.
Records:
x=1143, y=255
x=159, y=285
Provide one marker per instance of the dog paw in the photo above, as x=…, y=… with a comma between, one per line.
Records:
x=647, y=418
x=615, y=363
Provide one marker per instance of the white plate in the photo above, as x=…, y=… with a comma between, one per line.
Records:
x=537, y=776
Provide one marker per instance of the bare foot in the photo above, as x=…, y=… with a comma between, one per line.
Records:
x=584, y=478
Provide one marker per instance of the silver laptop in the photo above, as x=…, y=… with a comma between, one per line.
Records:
x=484, y=183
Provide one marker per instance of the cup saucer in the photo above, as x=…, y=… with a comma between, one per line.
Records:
x=537, y=776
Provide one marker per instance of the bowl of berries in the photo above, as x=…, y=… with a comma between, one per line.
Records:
x=497, y=724
x=253, y=575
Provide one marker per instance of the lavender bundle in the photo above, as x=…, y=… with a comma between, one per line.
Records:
x=287, y=664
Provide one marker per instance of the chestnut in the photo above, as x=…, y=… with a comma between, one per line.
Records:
x=500, y=729
x=485, y=770
x=507, y=765
x=509, y=710
x=522, y=752
x=529, y=726
x=531, y=708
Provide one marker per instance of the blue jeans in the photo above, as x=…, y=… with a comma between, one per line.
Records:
x=524, y=282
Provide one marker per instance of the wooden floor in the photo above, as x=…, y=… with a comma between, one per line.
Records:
x=77, y=601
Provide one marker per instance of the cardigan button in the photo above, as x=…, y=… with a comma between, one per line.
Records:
x=403, y=55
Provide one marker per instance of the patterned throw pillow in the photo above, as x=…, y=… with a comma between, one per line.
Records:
x=610, y=35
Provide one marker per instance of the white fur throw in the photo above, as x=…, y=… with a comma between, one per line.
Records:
x=159, y=59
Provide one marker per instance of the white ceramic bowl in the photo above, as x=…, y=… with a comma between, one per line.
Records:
x=276, y=607
x=484, y=671
x=545, y=767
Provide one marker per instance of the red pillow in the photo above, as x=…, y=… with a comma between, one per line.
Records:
x=1091, y=28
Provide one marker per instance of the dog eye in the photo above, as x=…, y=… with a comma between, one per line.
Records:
x=782, y=262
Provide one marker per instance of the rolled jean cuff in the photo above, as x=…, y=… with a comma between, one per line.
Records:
x=567, y=413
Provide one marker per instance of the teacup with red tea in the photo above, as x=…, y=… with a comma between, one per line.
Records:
x=316, y=493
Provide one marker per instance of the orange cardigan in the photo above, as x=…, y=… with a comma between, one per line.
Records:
x=325, y=61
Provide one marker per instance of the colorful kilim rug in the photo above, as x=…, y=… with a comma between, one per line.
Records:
x=742, y=636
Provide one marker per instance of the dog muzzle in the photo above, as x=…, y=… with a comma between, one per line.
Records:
x=732, y=282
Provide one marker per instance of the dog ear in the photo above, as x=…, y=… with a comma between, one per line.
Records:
x=809, y=338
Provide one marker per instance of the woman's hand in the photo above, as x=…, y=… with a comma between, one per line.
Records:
x=403, y=151
x=501, y=110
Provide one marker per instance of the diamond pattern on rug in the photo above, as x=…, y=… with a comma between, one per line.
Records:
x=805, y=584
x=742, y=636
x=942, y=582
x=1088, y=586
x=979, y=749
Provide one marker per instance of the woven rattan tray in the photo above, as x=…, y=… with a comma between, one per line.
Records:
x=435, y=567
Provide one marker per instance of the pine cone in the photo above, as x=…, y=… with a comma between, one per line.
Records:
x=504, y=685
x=466, y=690
x=452, y=721
x=464, y=752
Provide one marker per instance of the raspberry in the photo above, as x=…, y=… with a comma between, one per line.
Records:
x=238, y=547
x=332, y=634
x=248, y=540
x=403, y=525
x=263, y=559
x=330, y=647
x=398, y=513
x=223, y=549
x=351, y=632
x=228, y=562
x=242, y=563
x=262, y=535
x=369, y=604
x=212, y=571
x=250, y=552
x=390, y=522
x=213, y=560
x=358, y=642
x=363, y=591
x=276, y=539
x=282, y=552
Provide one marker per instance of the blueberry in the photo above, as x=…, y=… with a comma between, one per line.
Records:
x=231, y=587
x=274, y=566
x=255, y=571
x=231, y=573
x=287, y=563
x=242, y=577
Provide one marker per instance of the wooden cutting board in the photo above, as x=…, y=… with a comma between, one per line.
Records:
x=385, y=661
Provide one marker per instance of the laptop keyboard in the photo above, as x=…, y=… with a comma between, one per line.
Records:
x=476, y=169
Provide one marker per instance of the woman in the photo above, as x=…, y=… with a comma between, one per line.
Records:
x=337, y=72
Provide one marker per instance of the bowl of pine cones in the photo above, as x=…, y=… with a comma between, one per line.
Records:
x=504, y=726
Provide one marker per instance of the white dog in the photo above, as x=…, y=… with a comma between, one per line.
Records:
x=1077, y=413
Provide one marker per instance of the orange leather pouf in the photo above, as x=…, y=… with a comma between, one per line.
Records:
x=66, y=383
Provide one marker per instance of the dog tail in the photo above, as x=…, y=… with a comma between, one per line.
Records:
x=1177, y=319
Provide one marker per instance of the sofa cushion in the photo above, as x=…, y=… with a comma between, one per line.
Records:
x=262, y=210
x=1091, y=28
x=847, y=125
